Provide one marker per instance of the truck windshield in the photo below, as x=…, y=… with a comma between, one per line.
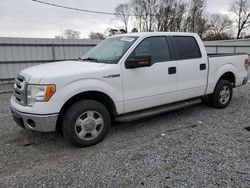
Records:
x=110, y=50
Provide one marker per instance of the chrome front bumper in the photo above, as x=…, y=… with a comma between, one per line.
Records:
x=40, y=123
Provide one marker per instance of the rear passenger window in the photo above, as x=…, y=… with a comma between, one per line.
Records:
x=157, y=47
x=187, y=47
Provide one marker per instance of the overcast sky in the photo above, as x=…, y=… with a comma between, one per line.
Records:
x=25, y=18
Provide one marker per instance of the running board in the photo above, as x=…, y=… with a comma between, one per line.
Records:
x=156, y=110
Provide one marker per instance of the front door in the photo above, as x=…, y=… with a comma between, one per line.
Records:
x=150, y=86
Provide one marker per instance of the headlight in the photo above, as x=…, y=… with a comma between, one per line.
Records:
x=39, y=93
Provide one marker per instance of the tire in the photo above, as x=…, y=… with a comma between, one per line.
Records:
x=86, y=123
x=222, y=95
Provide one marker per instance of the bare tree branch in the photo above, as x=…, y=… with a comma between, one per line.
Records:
x=241, y=10
x=122, y=12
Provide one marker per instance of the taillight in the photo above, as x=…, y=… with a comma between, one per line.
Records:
x=246, y=63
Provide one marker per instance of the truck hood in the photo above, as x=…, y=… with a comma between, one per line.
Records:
x=60, y=69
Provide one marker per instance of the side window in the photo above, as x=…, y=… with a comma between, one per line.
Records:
x=157, y=47
x=187, y=47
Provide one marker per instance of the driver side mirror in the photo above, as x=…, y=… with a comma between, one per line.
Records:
x=138, y=61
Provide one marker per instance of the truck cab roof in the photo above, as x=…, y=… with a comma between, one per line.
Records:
x=148, y=34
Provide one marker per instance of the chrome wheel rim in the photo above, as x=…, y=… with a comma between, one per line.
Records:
x=89, y=125
x=224, y=95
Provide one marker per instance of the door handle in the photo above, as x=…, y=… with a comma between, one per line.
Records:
x=172, y=70
x=203, y=66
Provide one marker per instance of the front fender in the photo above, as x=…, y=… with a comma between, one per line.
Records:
x=113, y=90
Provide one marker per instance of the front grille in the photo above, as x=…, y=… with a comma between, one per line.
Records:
x=20, y=87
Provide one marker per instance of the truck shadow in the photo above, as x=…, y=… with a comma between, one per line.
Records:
x=162, y=117
x=28, y=138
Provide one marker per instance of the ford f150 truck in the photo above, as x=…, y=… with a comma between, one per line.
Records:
x=124, y=78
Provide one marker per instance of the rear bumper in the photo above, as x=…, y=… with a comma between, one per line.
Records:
x=40, y=123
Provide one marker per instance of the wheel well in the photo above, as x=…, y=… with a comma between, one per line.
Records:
x=229, y=76
x=93, y=95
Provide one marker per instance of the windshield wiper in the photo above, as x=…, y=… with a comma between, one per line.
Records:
x=88, y=59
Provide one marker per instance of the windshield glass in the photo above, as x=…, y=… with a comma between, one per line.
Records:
x=110, y=50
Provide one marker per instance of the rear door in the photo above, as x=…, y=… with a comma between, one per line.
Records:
x=191, y=67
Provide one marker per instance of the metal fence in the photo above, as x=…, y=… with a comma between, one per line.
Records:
x=20, y=53
x=228, y=49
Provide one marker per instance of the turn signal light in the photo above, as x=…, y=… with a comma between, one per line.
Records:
x=50, y=90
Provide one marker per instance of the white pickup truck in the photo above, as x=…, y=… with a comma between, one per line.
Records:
x=124, y=78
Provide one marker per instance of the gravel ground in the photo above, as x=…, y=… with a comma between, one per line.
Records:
x=5, y=88
x=194, y=147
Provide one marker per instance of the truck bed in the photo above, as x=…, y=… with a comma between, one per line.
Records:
x=232, y=62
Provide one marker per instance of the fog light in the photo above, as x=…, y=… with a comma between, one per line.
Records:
x=31, y=123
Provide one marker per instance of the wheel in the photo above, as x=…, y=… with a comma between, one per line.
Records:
x=86, y=123
x=222, y=94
